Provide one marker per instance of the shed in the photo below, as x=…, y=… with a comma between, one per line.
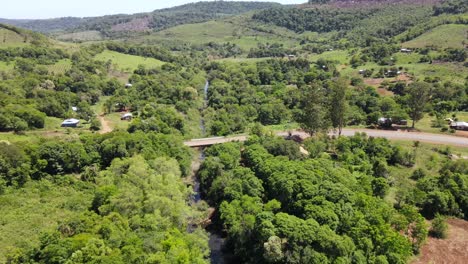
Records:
x=72, y=122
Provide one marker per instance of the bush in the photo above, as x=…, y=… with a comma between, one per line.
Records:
x=439, y=227
x=95, y=125
x=418, y=174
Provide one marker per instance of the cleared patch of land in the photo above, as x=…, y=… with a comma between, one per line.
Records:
x=444, y=36
x=81, y=36
x=127, y=63
x=453, y=250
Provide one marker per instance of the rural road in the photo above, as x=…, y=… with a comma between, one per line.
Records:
x=391, y=135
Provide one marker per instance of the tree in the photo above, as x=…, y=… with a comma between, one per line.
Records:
x=95, y=124
x=418, y=96
x=313, y=113
x=338, y=104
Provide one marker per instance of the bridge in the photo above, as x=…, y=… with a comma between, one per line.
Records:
x=440, y=139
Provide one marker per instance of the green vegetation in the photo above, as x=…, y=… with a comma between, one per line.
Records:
x=271, y=201
x=119, y=191
x=439, y=227
x=444, y=36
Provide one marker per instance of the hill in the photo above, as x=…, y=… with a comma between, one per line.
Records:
x=123, y=25
x=444, y=36
x=45, y=25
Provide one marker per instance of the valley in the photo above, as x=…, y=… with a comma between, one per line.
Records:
x=332, y=131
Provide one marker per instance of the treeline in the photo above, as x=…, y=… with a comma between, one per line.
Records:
x=143, y=51
x=270, y=50
x=41, y=55
x=451, y=7
x=139, y=210
x=315, y=20
x=278, y=206
x=353, y=26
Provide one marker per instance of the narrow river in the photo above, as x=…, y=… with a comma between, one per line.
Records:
x=215, y=240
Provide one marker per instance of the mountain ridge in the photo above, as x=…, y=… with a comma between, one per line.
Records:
x=156, y=20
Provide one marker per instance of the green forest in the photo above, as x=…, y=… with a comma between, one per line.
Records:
x=236, y=132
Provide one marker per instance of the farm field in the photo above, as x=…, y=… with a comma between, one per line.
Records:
x=127, y=63
x=60, y=67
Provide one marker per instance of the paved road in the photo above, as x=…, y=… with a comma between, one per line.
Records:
x=392, y=135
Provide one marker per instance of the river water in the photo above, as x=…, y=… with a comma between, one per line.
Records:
x=216, y=242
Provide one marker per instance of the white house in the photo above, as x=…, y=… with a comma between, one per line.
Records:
x=72, y=122
x=459, y=125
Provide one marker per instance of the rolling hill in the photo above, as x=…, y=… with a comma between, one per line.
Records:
x=122, y=24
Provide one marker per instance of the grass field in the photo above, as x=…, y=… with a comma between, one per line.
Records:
x=10, y=38
x=36, y=208
x=444, y=36
x=127, y=63
x=341, y=56
x=81, y=36
x=60, y=67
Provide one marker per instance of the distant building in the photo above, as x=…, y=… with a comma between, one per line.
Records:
x=72, y=122
x=128, y=85
x=384, y=122
x=388, y=122
x=405, y=50
x=459, y=125
x=126, y=116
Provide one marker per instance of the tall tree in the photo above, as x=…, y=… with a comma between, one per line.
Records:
x=418, y=96
x=313, y=110
x=338, y=104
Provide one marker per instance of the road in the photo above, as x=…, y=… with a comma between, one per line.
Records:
x=391, y=135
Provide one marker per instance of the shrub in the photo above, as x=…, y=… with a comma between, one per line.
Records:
x=439, y=227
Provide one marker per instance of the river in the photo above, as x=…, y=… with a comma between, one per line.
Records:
x=216, y=242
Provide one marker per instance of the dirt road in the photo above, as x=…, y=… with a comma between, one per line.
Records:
x=391, y=135
x=106, y=128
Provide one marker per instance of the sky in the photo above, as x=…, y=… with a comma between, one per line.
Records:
x=38, y=9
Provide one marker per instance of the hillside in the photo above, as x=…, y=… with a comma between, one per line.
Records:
x=443, y=36
x=123, y=25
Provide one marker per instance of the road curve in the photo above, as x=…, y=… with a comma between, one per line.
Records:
x=389, y=134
